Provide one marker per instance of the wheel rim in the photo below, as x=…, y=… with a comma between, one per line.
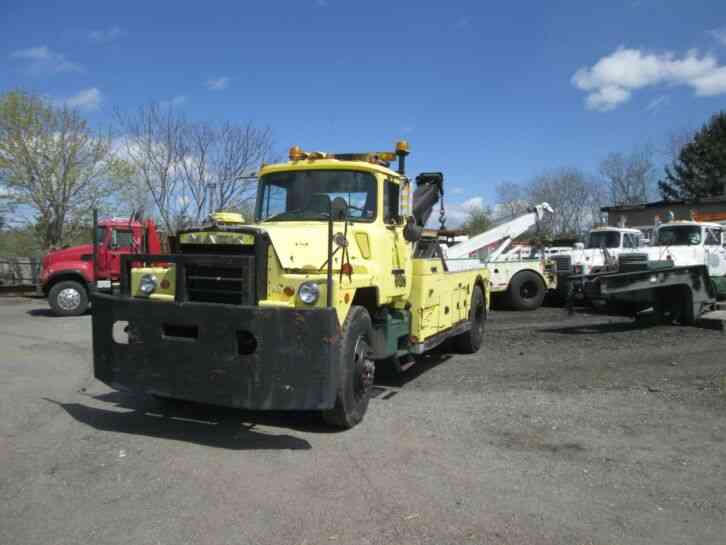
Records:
x=528, y=290
x=69, y=299
x=364, y=368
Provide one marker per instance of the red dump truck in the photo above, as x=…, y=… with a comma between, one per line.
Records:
x=69, y=274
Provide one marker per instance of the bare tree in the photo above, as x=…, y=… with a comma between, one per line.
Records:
x=221, y=163
x=182, y=164
x=512, y=200
x=571, y=193
x=52, y=163
x=629, y=178
x=675, y=141
x=152, y=146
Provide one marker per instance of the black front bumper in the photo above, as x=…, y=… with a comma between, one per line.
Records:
x=249, y=357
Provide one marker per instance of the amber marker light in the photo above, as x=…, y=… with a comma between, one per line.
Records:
x=165, y=284
x=402, y=146
x=289, y=291
x=296, y=154
x=346, y=268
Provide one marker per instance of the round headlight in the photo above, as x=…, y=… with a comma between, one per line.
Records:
x=308, y=292
x=148, y=284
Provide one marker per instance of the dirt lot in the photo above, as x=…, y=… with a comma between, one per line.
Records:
x=561, y=430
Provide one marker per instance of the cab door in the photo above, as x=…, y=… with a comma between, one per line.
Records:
x=122, y=242
x=715, y=251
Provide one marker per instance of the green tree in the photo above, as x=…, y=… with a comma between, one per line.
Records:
x=700, y=168
x=478, y=219
x=52, y=164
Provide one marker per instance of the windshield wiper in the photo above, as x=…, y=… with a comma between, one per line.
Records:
x=298, y=214
x=278, y=216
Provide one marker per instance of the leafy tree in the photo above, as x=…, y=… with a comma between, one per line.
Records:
x=478, y=219
x=51, y=163
x=700, y=169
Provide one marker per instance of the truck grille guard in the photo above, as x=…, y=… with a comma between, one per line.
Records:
x=212, y=278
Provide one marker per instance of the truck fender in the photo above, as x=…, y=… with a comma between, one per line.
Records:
x=78, y=275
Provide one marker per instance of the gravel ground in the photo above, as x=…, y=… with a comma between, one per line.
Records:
x=582, y=430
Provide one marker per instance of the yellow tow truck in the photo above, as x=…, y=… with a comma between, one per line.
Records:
x=336, y=275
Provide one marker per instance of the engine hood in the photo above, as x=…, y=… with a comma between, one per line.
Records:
x=304, y=245
x=299, y=245
x=73, y=253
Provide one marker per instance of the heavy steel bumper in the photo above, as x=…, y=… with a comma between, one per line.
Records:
x=238, y=356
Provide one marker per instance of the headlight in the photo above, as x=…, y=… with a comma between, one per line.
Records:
x=308, y=292
x=148, y=284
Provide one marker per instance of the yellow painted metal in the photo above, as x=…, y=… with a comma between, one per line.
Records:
x=380, y=256
x=162, y=274
x=228, y=218
x=364, y=245
x=217, y=237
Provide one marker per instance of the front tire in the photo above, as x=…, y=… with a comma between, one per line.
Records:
x=526, y=291
x=469, y=342
x=68, y=298
x=356, y=371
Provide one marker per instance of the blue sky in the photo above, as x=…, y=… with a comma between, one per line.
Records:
x=484, y=91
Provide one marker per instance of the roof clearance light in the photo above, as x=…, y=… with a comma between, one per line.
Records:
x=296, y=154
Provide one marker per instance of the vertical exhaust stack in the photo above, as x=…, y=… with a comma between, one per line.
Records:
x=401, y=152
x=95, y=244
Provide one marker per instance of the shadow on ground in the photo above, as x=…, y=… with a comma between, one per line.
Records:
x=48, y=313
x=424, y=363
x=206, y=425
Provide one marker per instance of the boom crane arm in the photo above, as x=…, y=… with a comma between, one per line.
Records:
x=505, y=232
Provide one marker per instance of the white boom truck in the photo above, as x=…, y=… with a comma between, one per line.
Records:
x=524, y=282
x=686, y=243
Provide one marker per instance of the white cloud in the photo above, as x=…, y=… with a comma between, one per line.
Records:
x=106, y=35
x=612, y=79
x=473, y=202
x=42, y=60
x=218, y=84
x=456, y=213
x=172, y=102
x=719, y=34
x=87, y=100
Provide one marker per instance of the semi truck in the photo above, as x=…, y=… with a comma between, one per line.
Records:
x=521, y=284
x=68, y=275
x=335, y=277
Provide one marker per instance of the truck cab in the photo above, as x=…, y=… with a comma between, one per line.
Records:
x=602, y=244
x=68, y=274
x=294, y=311
x=693, y=243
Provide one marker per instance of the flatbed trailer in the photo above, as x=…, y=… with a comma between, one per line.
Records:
x=681, y=294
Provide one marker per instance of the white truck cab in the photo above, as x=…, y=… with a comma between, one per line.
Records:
x=692, y=243
x=603, y=243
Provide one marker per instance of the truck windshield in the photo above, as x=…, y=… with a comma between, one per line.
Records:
x=306, y=194
x=604, y=239
x=679, y=235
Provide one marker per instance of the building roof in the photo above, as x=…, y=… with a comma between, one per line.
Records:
x=663, y=204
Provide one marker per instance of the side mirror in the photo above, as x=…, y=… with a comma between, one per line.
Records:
x=339, y=209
